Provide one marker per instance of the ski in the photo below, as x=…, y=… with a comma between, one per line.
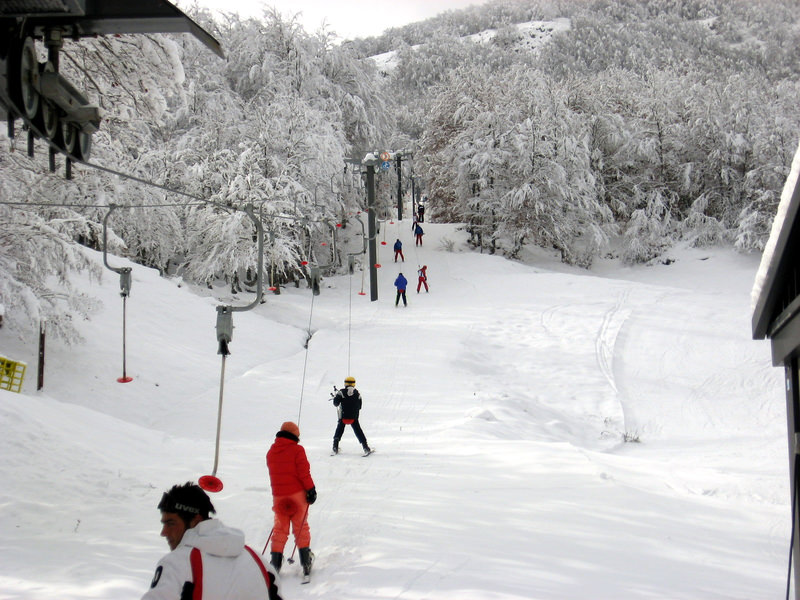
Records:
x=364, y=454
x=306, y=579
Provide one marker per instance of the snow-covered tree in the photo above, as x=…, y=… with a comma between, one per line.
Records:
x=38, y=258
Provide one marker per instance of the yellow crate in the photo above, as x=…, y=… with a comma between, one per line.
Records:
x=12, y=372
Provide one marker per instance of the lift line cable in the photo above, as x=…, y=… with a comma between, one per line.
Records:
x=65, y=205
x=310, y=317
x=74, y=159
x=148, y=182
x=349, y=321
x=305, y=360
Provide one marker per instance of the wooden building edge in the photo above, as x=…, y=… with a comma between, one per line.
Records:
x=776, y=316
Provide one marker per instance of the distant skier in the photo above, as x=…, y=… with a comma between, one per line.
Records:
x=398, y=250
x=206, y=551
x=401, y=283
x=293, y=491
x=421, y=213
x=423, y=278
x=418, y=234
x=348, y=401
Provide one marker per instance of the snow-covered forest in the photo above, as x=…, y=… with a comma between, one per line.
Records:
x=636, y=125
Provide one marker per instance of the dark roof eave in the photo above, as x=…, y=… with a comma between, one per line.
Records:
x=88, y=18
x=764, y=310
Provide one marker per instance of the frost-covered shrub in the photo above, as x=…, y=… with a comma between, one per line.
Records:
x=649, y=230
x=701, y=229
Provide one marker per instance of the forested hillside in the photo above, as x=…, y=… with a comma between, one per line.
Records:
x=644, y=123
x=638, y=124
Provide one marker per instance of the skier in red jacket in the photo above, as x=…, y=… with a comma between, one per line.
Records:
x=423, y=278
x=293, y=492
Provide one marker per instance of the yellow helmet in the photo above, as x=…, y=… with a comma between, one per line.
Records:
x=350, y=380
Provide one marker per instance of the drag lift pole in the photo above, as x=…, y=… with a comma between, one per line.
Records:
x=212, y=483
x=125, y=290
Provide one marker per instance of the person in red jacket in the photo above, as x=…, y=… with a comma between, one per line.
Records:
x=423, y=278
x=293, y=491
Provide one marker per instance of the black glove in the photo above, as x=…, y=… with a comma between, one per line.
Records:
x=311, y=495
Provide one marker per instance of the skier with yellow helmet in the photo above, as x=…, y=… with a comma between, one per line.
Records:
x=348, y=402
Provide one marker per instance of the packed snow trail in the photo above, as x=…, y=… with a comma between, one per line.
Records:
x=498, y=403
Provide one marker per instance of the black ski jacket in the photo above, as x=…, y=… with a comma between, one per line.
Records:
x=350, y=401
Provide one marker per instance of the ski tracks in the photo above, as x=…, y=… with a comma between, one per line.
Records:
x=608, y=352
x=612, y=323
x=607, y=348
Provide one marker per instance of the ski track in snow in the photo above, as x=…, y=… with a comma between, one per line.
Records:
x=613, y=321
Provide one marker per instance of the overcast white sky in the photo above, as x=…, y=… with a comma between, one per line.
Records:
x=347, y=18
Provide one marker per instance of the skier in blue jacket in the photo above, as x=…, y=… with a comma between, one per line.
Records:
x=398, y=250
x=400, y=283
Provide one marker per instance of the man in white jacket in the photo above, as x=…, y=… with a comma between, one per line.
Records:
x=208, y=561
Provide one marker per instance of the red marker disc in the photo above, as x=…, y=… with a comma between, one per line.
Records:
x=210, y=483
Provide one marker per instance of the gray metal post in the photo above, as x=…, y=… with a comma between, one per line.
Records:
x=793, y=427
x=413, y=194
x=40, y=378
x=399, y=187
x=373, y=249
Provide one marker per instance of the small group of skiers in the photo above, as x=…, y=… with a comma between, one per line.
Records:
x=210, y=561
x=401, y=283
x=398, y=245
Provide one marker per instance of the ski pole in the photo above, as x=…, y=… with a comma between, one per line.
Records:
x=290, y=560
x=269, y=537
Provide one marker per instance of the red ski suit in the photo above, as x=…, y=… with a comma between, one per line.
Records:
x=423, y=278
x=290, y=477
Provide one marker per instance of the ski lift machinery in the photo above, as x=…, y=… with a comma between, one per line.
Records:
x=51, y=107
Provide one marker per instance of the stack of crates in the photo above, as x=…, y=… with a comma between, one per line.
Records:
x=12, y=372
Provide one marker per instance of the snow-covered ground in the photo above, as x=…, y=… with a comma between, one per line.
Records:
x=498, y=404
